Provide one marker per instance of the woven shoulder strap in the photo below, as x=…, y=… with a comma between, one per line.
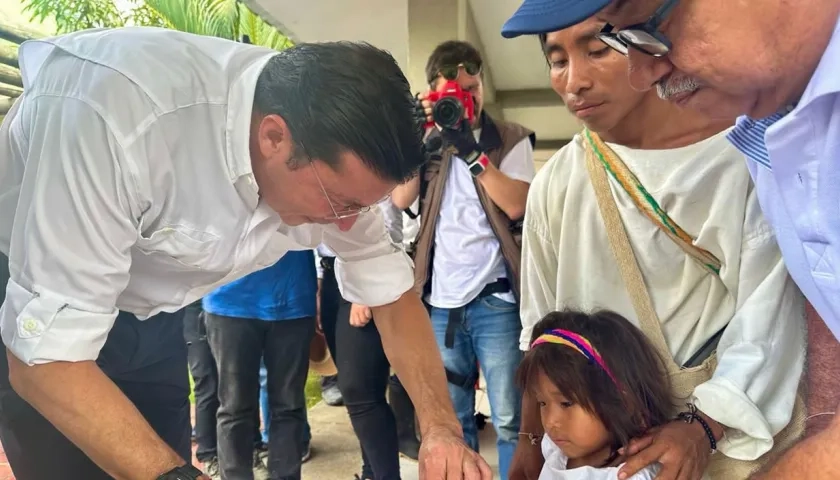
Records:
x=647, y=204
x=622, y=250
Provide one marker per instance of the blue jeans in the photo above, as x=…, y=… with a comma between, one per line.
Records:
x=266, y=412
x=488, y=336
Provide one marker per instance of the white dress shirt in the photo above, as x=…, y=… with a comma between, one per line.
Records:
x=126, y=183
x=706, y=189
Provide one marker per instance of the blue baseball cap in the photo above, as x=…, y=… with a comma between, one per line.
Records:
x=544, y=16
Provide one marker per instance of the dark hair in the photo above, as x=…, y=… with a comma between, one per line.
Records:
x=343, y=96
x=644, y=400
x=450, y=52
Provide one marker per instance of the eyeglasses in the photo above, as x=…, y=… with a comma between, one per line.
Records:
x=347, y=211
x=450, y=72
x=644, y=37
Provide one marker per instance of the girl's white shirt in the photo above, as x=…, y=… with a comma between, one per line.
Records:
x=555, y=467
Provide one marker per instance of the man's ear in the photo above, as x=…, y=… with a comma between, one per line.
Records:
x=274, y=137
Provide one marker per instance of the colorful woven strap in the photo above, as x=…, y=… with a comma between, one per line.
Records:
x=645, y=202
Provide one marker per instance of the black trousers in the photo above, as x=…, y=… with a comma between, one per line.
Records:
x=145, y=359
x=205, y=384
x=238, y=345
x=363, y=380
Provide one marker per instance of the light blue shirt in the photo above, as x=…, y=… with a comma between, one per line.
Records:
x=796, y=168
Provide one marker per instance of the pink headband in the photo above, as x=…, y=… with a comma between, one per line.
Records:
x=576, y=342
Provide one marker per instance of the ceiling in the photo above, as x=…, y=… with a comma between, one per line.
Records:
x=519, y=74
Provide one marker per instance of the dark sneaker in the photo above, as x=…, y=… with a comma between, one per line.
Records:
x=330, y=392
x=307, y=453
x=211, y=469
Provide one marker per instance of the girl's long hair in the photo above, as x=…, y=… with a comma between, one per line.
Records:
x=641, y=400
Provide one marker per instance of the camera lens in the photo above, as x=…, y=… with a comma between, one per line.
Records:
x=448, y=112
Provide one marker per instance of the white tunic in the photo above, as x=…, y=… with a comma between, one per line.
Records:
x=706, y=189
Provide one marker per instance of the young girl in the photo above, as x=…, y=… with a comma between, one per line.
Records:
x=598, y=383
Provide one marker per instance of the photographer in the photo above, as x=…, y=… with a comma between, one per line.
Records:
x=467, y=254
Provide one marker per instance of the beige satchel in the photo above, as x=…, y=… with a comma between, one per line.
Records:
x=683, y=380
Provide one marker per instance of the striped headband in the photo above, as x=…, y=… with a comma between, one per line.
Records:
x=576, y=342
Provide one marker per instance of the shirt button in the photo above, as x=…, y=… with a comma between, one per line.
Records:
x=30, y=325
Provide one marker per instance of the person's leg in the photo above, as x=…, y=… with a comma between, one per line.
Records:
x=306, y=441
x=363, y=380
x=237, y=345
x=460, y=360
x=287, y=363
x=266, y=414
x=494, y=326
x=26, y=435
x=330, y=301
x=409, y=444
x=205, y=379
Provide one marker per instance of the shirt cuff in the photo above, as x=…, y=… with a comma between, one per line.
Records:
x=43, y=327
x=376, y=281
x=748, y=434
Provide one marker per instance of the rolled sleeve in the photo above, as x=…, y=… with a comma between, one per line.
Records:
x=43, y=327
x=370, y=270
x=74, y=226
x=761, y=357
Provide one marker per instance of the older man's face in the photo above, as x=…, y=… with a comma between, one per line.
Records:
x=721, y=60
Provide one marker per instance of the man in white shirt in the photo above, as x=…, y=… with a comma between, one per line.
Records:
x=744, y=315
x=467, y=256
x=144, y=167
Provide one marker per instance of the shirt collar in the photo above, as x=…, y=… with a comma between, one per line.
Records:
x=238, y=124
x=748, y=136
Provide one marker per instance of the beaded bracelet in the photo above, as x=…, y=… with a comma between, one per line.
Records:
x=690, y=416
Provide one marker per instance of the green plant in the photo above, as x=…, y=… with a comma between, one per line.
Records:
x=73, y=15
x=219, y=18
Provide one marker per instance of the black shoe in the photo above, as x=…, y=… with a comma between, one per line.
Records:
x=409, y=445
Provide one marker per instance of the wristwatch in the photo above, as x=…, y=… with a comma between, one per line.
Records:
x=184, y=472
x=477, y=163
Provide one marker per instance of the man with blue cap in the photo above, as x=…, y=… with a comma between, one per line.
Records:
x=726, y=58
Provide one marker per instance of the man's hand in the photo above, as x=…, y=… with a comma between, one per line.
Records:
x=359, y=315
x=527, y=461
x=462, y=139
x=444, y=455
x=682, y=448
x=409, y=343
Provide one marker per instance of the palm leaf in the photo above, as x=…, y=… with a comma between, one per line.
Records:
x=202, y=17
